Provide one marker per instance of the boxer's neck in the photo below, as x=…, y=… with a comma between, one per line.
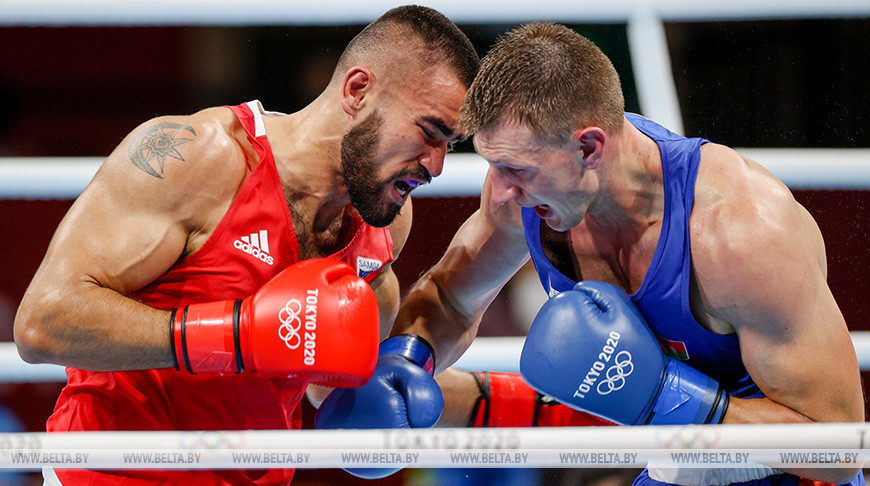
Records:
x=631, y=189
x=307, y=150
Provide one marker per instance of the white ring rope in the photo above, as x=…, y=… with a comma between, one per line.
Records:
x=485, y=354
x=65, y=177
x=813, y=445
x=503, y=353
x=332, y=12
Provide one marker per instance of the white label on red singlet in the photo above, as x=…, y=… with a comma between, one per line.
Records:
x=365, y=266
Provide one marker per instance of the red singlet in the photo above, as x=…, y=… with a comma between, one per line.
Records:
x=252, y=243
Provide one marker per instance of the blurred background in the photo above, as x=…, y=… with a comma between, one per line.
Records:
x=73, y=84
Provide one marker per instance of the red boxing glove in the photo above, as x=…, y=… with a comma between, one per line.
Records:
x=316, y=320
x=507, y=401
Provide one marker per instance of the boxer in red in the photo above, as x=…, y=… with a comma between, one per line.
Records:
x=220, y=262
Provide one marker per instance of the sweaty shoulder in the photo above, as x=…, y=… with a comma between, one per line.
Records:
x=180, y=164
x=734, y=193
x=745, y=226
x=199, y=151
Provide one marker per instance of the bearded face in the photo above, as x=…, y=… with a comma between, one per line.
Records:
x=359, y=170
x=376, y=200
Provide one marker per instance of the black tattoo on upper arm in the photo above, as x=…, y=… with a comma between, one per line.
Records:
x=158, y=142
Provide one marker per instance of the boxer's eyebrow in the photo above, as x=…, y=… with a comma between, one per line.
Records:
x=438, y=123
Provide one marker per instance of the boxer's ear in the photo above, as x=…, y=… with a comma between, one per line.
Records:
x=590, y=143
x=356, y=86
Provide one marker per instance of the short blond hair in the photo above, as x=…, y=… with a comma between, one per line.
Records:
x=546, y=76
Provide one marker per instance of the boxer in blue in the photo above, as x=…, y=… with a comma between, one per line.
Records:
x=647, y=241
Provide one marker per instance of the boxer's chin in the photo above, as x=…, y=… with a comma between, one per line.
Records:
x=378, y=212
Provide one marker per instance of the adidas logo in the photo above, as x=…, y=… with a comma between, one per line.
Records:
x=256, y=245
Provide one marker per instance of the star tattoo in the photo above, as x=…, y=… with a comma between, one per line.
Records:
x=158, y=142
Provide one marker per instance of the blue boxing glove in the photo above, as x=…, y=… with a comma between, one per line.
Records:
x=401, y=394
x=591, y=349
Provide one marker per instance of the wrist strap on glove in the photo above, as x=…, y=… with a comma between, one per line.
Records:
x=414, y=348
x=202, y=341
x=687, y=397
x=505, y=400
x=480, y=411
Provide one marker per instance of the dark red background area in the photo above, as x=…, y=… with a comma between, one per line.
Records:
x=77, y=91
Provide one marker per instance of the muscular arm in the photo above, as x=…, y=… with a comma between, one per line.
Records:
x=446, y=304
x=386, y=285
x=760, y=266
x=136, y=218
x=461, y=392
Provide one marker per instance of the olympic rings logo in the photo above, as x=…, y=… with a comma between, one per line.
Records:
x=212, y=440
x=614, y=377
x=289, y=315
x=690, y=437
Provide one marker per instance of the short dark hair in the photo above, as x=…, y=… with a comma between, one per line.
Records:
x=441, y=39
x=549, y=77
